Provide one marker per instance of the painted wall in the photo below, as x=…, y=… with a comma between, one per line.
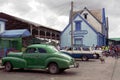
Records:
x=65, y=39
x=15, y=43
x=91, y=37
x=2, y=26
x=88, y=39
x=90, y=19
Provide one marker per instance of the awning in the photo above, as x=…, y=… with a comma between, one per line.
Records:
x=115, y=39
x=15, y=33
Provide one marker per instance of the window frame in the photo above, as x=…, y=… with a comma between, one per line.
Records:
x=78, y=25
x=29, y=51
x=81, y=39
x=42, y=52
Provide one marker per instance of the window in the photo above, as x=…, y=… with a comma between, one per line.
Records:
x=79, y=41
x=41, y=50
x=31, y=50
x=78, y=25
x=85, y=15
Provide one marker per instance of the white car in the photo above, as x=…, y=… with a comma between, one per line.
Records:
x=84, y=54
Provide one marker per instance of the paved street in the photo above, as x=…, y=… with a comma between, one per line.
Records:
x=91, y=70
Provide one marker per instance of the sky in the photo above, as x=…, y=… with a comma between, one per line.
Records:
x=55, y=13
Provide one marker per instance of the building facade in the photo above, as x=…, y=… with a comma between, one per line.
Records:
x=86, y=28
x=37, y=30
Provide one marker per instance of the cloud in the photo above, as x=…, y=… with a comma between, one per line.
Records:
x=55, y=13
x=114, y=29
x=2, y=2
x=114, y=33
x=21, y=6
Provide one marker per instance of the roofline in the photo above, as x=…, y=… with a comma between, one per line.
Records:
x=86, y=22
x=92, y=14
x=83, y=20
x=28, y=22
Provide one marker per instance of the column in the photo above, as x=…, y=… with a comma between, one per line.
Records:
x=31, y=29
x=45, y=34
x=51, y=36
x=38, y=32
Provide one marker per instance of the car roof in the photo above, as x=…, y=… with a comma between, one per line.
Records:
x=39, y=45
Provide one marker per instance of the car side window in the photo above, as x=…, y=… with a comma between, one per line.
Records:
x=31, y=50
x=41, y=50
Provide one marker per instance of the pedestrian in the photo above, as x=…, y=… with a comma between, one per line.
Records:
x=116, y=51
x=102, y=59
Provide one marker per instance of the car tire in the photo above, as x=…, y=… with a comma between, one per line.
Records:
x=84, y=58
x=62, y=70
x=53, y=68
x=97, y=56
x=8, y=67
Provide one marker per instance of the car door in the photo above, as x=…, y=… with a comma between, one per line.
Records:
x=31, y=56
x=43, y=55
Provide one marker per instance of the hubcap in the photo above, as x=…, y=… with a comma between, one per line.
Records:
x=53, y=69
x=84, y=58
x=8, y=66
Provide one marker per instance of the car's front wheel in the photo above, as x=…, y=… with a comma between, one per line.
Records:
x=53, y=68
x=8, y=66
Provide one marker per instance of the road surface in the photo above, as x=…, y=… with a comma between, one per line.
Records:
x=88, y=70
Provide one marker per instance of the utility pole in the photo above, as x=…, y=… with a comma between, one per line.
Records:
x=71, y=21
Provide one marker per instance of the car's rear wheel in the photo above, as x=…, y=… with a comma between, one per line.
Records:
x=53, y=68
x=8, y=67
x=97, y=56
x=84, y=58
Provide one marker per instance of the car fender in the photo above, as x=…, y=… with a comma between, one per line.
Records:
x=62, y=63
x=16, y=62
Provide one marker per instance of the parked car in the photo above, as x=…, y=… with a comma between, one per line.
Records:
x=84, y=53
x=39, y=56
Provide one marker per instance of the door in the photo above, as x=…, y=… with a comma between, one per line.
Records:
x=43, y=56
x=31, y=56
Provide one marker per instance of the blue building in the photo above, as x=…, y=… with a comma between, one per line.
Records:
x=86, y=28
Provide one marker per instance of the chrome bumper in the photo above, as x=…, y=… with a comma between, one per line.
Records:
x=76, y=65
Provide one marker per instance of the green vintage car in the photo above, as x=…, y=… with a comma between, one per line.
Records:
x=39, y=56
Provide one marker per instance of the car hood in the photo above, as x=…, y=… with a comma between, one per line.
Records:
x=15, y=54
